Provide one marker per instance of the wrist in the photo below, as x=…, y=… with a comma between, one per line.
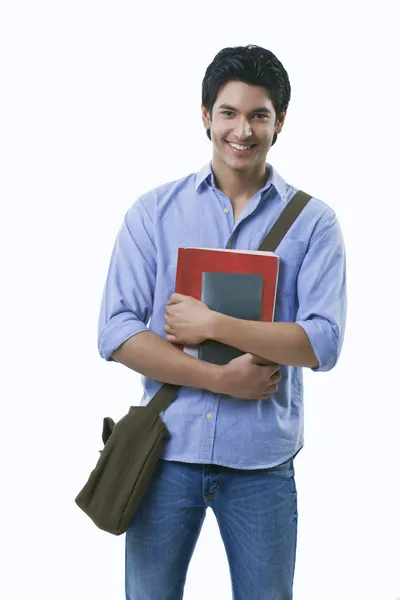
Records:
x=213, y=324
x=216, y=378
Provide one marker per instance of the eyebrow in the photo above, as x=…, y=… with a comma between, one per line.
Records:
x=261, y=109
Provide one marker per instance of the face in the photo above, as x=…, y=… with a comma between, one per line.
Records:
x=242, y=114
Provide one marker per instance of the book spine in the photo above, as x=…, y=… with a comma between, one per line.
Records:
x=182, y=277
x=186, y=269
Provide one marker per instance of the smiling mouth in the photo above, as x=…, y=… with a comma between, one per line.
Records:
x=241, y=149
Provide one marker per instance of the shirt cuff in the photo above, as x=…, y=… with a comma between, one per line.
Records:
x=324, y=342
x=119, y=329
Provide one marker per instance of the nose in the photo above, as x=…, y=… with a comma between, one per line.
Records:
x=243, y=129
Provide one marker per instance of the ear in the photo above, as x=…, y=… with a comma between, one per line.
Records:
x=205, y=116
x=280, y=121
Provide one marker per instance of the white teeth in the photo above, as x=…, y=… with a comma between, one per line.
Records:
x=239, y=147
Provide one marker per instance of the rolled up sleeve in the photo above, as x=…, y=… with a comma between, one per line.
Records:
x=321, y=290
x=127, y=300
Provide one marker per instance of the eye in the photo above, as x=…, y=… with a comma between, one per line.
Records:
x=229, y=113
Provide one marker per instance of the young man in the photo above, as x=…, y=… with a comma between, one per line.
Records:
x=234, y=431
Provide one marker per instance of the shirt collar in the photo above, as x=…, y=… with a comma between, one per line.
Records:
x=274, y=179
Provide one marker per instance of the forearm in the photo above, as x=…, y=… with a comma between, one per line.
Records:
x=152, y=356
x=281, y=343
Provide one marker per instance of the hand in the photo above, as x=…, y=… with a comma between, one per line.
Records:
x=188, y=321
x=244, y=377
x=258, y=360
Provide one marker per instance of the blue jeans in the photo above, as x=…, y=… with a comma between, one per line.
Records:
x=256, y=512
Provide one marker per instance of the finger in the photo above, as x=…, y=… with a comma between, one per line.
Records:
x=276, y=377
x=271, y=389
x=272, y=369
x=176, y=298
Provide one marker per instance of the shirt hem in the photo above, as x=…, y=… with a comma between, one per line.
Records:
x=231, y=466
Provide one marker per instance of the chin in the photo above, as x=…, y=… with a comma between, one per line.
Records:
x=239, y=165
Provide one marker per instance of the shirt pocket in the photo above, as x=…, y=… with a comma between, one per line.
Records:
x=291, y=255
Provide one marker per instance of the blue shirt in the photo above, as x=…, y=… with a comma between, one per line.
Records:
x=216, y=428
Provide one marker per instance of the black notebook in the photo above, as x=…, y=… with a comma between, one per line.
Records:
x=236, y=295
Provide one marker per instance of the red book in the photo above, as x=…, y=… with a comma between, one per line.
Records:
x=239, y=283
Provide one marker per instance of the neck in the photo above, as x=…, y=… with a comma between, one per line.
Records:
x=239, y=185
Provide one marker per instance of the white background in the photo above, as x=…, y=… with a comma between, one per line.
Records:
x=100, y=102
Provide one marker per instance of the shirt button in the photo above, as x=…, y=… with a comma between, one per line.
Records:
x=226, y=210
x=209, y=416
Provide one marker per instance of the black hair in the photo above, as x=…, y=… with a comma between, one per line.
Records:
x=250, y=64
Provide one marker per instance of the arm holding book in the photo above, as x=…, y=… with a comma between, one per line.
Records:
x=314, y=340
x=283, y=343
x=189, y=322
x=126, y=307
x=245, y=377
